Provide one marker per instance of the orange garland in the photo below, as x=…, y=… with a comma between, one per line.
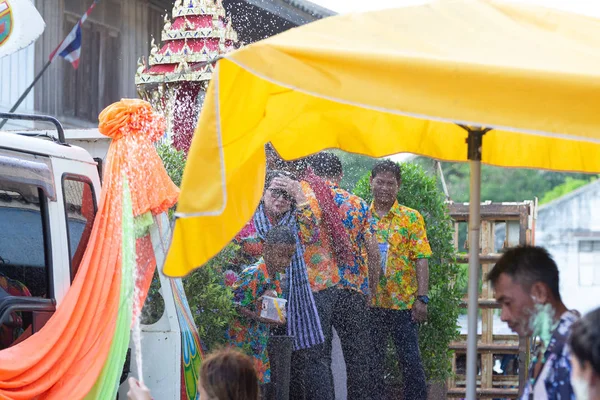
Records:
x=64, y=359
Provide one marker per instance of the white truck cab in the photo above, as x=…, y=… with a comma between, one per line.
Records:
x=46, y=185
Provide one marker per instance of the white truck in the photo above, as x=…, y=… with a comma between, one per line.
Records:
x=42, y=180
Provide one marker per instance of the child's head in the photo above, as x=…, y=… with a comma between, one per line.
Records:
x=228, y=375
x=279, y=247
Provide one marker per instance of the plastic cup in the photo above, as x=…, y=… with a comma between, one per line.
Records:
x=273, y=308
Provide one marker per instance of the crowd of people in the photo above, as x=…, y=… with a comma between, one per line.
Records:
x=362, y=270
x=358, y=268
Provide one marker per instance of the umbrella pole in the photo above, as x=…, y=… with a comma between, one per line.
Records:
x=474, y=142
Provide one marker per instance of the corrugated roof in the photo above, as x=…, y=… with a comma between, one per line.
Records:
x=311, y=8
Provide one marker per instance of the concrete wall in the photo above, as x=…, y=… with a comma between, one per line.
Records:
x=560, y=226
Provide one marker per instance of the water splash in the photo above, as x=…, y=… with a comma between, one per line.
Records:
x=136, y=332
x=542, y=322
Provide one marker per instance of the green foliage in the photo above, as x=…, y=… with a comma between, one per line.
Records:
x=568, y=186
x=174, y=161
x=210, y=300
x=419, y=191
x=504, y=184
x=354, y=166
x=154, y=306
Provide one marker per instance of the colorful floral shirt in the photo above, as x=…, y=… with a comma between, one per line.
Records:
x=554, y=379
x=402, y=232
x=249, y=335
x=360, y=225
x=320, y=262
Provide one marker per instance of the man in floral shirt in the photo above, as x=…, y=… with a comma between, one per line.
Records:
x=400, y=301
x=525, y=281
x=250, y=332
x=344, y=305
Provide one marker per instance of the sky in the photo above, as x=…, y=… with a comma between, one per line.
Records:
x=588, y=7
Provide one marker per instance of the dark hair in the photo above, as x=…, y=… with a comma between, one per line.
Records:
x=387, y=166
x=326, y=164
x=280, y=234
x=229, y=375
x=279, y=163
x=527, y=265
x=585, y=339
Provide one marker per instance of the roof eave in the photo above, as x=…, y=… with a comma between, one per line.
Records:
x=297, y=12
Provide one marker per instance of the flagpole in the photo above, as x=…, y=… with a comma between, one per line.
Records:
x=26, y=92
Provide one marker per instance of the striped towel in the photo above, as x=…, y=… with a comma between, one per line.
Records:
x=302, y=317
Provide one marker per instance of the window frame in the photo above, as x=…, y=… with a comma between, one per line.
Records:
x=47, y=232
x=45, y=194
x=592, y=239
x=85, y=180
x=35, y=304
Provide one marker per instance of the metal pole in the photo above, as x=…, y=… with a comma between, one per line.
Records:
x=474, y=142
x=26, y=92
x=473, y=293
x=438, y=165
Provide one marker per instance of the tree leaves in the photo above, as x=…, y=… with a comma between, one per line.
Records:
x=211, y=301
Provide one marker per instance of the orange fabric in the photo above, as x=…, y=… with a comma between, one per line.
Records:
x=64, y=359
x=150, y=185
x=148, y=179
x=66, y=356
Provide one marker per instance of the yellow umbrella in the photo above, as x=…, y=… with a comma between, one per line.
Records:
x=419, y=79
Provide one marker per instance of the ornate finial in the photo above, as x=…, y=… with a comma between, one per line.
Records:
x=141, y=65
x=167, y=26
x=153, y=47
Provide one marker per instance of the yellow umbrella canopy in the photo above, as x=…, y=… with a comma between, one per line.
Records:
x=386, y=82
x=520, y=82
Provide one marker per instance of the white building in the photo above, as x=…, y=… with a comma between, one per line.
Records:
x=570, y=229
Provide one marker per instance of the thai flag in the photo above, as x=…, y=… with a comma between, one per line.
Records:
x=70, y=47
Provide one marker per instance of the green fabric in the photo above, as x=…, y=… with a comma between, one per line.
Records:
x=108, y=382
x=142, y=223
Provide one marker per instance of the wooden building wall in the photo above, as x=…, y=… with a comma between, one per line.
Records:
x=113, y=37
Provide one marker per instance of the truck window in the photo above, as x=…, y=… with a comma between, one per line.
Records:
x=24, y=239
x=24, y=259
x=80, y=210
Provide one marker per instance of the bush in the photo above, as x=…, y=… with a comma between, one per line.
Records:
x=211, y=301
x=419, y=191
x=173, y=160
